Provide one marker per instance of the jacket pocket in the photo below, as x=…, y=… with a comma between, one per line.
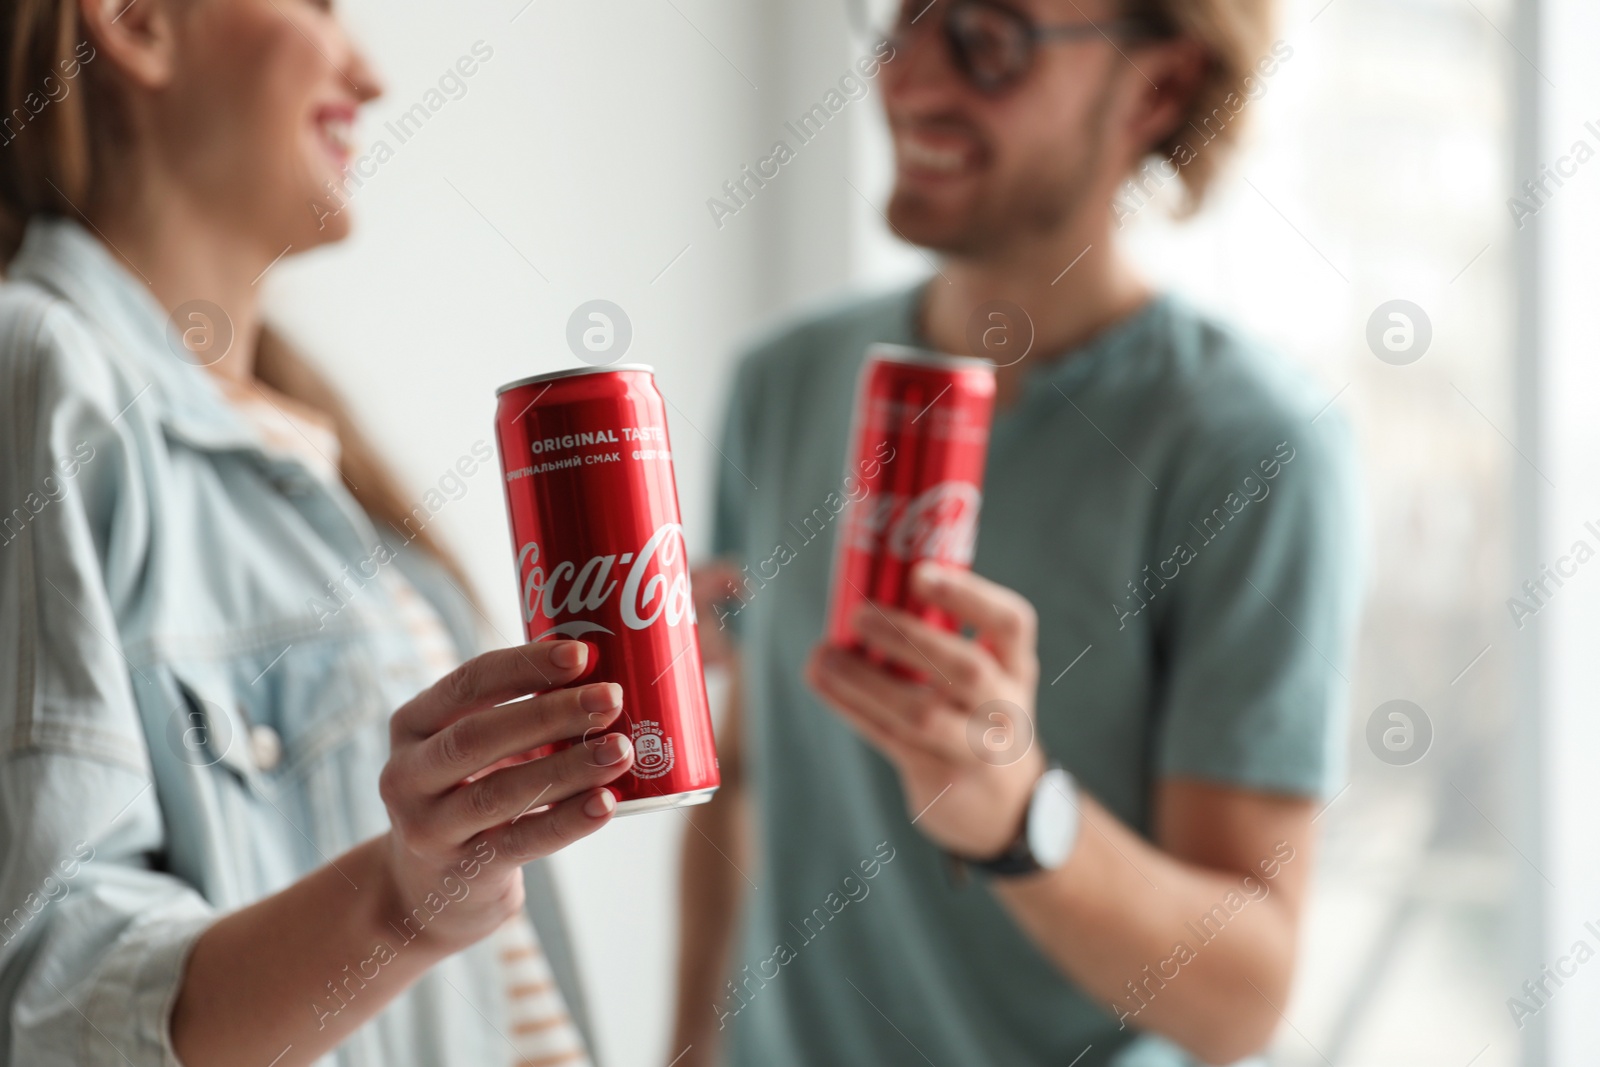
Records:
x=209, y=729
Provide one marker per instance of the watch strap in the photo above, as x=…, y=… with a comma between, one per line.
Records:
x=1018, y=858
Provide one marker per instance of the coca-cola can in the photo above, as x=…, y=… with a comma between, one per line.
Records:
x=600, y=558
x=919, y=439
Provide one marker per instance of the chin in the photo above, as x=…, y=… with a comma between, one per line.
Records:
x=334, y=228
x=327, y=216
x=927, y=225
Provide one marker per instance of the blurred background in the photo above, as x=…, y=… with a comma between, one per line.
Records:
x=578, y=162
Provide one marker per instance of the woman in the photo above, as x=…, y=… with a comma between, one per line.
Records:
x=219, y=846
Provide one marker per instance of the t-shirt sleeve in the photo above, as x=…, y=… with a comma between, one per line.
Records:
x=735, y=459
x=1262, y=548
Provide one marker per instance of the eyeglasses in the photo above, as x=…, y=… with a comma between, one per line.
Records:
x=991, y=44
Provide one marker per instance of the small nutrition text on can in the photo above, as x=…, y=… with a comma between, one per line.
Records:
x=652, y=749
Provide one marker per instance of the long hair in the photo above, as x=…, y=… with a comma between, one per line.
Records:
x=370, y=480
x=60, y=128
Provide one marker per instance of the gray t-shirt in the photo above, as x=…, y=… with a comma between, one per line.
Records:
x=1182, y=514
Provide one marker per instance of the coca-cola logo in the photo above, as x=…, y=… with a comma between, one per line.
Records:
x=939, y=523
x=654, y=588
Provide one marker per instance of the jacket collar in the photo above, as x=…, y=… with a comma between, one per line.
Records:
x=60, y=256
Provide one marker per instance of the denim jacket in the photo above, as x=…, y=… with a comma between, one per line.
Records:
x=191, y=718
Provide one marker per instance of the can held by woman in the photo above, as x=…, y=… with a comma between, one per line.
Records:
x=600, y=557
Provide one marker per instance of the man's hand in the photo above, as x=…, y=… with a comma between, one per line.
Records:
x=714, y=584
x=963, y=739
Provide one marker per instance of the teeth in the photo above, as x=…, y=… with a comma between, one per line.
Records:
x=339, y=132
x=923, y=155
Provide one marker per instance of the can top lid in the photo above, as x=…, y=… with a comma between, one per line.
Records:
x=573, y=372
x=922, y=357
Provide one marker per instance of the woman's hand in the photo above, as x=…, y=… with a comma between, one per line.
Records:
x=466, y=805
x=467, y=808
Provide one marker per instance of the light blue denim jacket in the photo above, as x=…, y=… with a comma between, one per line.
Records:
x=165, y=609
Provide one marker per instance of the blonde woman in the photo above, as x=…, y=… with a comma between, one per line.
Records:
x=222, y=842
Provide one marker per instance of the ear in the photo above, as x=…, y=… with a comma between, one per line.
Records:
x=136, y=35
x=1172, y=73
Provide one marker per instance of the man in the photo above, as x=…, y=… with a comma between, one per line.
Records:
x=1163, y=594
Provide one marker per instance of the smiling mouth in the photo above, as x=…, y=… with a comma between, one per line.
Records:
x=936, y=153
x=336, y=131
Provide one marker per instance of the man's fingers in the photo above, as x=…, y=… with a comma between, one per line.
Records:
x=716, y=580
x=540, y=834
x=1004, y=619
x=901, y=714
x=477, y=741
x=492, y=678
x=962, y=671
x=519, y=791
x=885, y=740
x=715, y=584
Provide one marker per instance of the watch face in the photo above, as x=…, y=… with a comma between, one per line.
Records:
x=1053, y=819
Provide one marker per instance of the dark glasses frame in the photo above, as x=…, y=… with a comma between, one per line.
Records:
x=955, y=22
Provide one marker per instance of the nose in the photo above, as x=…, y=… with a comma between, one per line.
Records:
x=362, y=75
x=922, y=72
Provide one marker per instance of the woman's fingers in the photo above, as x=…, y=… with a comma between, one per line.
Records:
x=538, y=835
x=478, y=740
x=517, y=792
x=492, y=678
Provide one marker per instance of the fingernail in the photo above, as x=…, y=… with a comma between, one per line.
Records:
x=613, y=749
x=603, y=697
x=600, y=805
x=569, y=655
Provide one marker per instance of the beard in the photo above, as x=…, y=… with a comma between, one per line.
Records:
x=1038, y=197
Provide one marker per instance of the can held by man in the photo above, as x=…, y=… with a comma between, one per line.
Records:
x=930, y=412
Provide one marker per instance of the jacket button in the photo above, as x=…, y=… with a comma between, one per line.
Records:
x=266, y=747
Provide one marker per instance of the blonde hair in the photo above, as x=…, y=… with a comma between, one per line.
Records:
x=1236, y=36
x=59, y=130
x=370, y=480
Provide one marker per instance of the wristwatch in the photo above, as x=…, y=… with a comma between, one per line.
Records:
x=1049, y=830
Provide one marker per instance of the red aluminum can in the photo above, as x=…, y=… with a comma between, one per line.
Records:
x=919, y=440
x=601, y=559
